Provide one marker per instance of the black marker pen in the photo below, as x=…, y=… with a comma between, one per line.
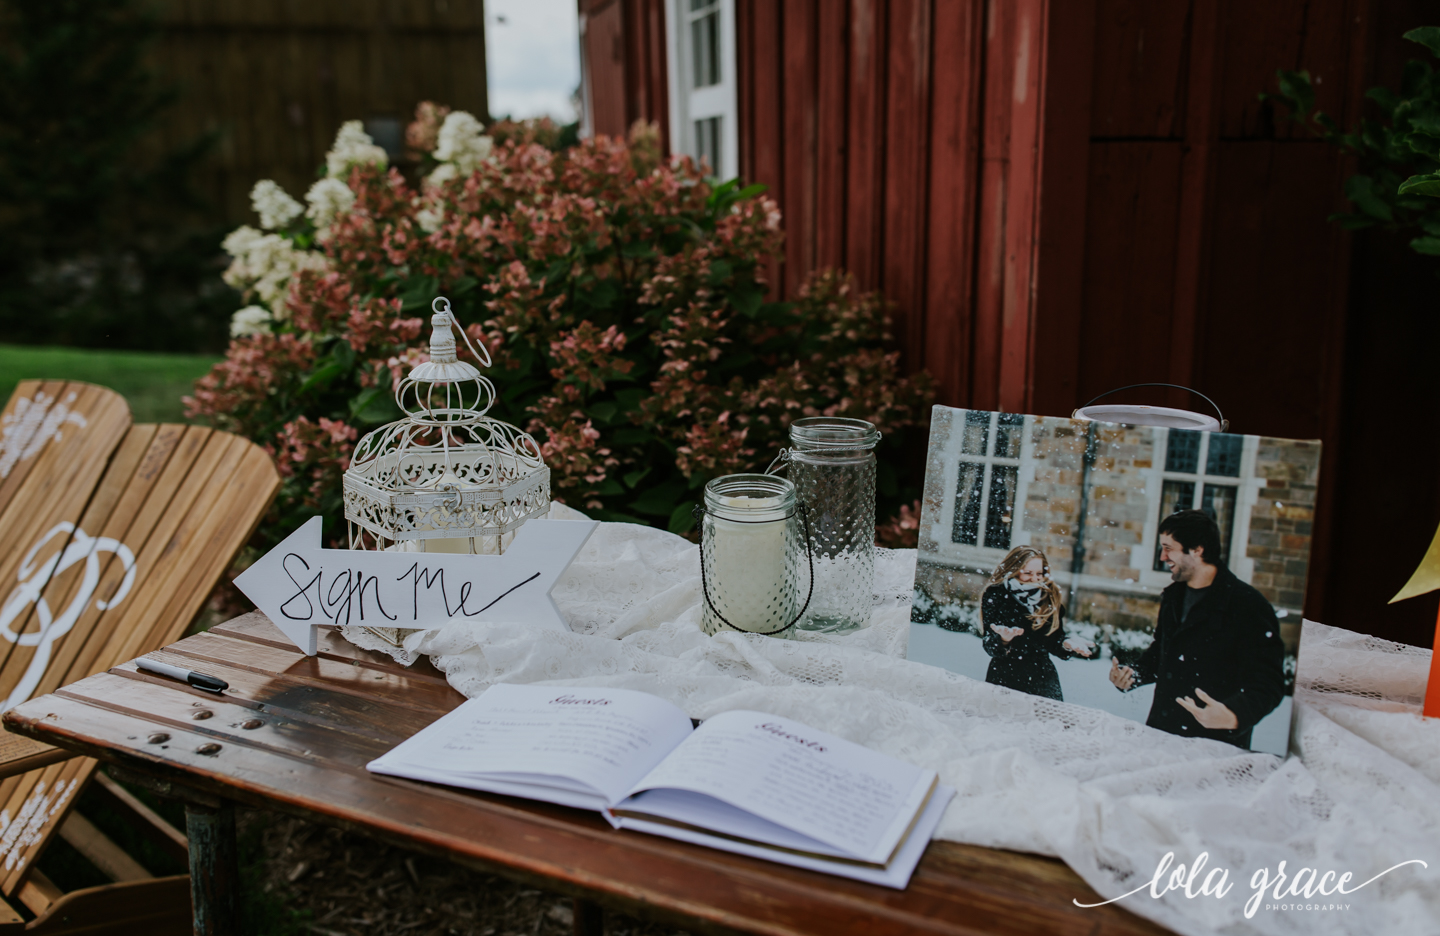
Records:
x=198, y=680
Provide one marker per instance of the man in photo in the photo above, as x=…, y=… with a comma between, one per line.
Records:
x=1217, y=660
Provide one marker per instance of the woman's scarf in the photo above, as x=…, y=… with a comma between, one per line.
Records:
x=1028, y=594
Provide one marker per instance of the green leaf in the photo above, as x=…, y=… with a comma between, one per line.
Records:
x=374, y=405
x=1360, y=189
x=1428, y=36
x=635, y=477
x=343, y=354
x=682, y=519
x=322, y=376
x=1428, y=184
x=630, y=398
x=556, y=271
x=1426, y=245
x=1387, y=99
x=659, y=500
x=720, y=195
x=609, y=488
x=1298, y=92
x=750, y=191
x=463, y=285
x=418, y=293
x=777, y=312
x=720, y=271
x=1428, y=124
x=631, y=435
x=602, y=296
x=602, y=411
x=747, y=299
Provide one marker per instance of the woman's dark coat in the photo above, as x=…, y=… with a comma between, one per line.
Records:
x=1229, y=646
x=1024, y=662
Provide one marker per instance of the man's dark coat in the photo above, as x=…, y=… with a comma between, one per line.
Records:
x=1229, y=646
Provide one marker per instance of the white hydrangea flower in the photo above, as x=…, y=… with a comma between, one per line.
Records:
x=273, y=204
x=460, y=142
x=264, y=264
x=430, y=219
x=251, y=320
x=443, y=173
x=328, y=198
x=237, y=242
x=353, y=146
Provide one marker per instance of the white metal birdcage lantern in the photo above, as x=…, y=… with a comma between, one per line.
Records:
x=447, y=477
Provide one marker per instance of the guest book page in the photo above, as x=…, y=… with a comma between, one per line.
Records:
x=592, y=742
x=820, y=786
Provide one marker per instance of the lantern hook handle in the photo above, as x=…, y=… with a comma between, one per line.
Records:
x=483, y=355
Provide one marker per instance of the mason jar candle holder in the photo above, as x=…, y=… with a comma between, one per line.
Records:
x=832, y=465
x=752, y=549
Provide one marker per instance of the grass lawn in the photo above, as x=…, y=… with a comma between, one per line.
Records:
x=151, y=383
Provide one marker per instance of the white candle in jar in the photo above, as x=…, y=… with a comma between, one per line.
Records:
x=748, y=565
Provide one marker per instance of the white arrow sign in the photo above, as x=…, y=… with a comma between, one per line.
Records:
x=300, y=586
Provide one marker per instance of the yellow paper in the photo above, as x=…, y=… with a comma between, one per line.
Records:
x=1427, y=577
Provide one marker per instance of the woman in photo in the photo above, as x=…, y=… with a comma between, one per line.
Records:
x=1024, y=624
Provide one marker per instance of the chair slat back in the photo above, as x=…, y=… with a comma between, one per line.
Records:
x=107, y=564
x=49, y=432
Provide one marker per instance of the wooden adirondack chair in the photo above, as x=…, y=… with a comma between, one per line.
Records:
x=112, y=535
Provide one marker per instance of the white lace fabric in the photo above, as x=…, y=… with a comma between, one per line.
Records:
x=1107, y=795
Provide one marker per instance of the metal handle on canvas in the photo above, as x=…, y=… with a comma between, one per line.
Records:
x=1224, y=423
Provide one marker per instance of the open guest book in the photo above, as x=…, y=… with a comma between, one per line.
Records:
x=744, y=782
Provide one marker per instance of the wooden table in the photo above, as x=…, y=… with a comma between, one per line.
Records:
x=294, y=733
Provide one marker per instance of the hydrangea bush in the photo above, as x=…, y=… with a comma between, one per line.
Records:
x=621, y=296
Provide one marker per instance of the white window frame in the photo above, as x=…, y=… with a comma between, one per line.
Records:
x=980, y=556
x=688, y=104
x=1246, y=496
x=587, y=105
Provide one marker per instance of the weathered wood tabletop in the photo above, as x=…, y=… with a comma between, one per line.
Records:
x=294, y=733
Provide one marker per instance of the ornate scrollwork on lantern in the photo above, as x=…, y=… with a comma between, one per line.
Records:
x=447, y=477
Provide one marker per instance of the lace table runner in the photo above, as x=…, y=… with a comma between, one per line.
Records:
x=1109, y=796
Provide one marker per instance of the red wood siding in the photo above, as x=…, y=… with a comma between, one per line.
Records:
x=602, y=43
x=1066, y=197
x=623, y=48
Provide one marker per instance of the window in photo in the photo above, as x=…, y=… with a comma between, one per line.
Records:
x=988, y=476
x=1186, y=487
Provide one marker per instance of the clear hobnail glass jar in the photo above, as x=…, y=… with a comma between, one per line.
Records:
x=832, y=464
x=752, y=552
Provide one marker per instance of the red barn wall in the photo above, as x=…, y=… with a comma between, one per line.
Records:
x=1062, y=198
x=623, y=49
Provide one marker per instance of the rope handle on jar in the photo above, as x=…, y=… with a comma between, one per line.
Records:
x=782, y=461
x=699, y=513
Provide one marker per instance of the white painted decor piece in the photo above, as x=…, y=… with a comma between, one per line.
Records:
x=446, y=478
x=301, y=586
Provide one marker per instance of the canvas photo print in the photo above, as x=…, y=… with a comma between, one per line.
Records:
x=1158, y=574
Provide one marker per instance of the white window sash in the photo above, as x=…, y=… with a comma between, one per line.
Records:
x=688, y=104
